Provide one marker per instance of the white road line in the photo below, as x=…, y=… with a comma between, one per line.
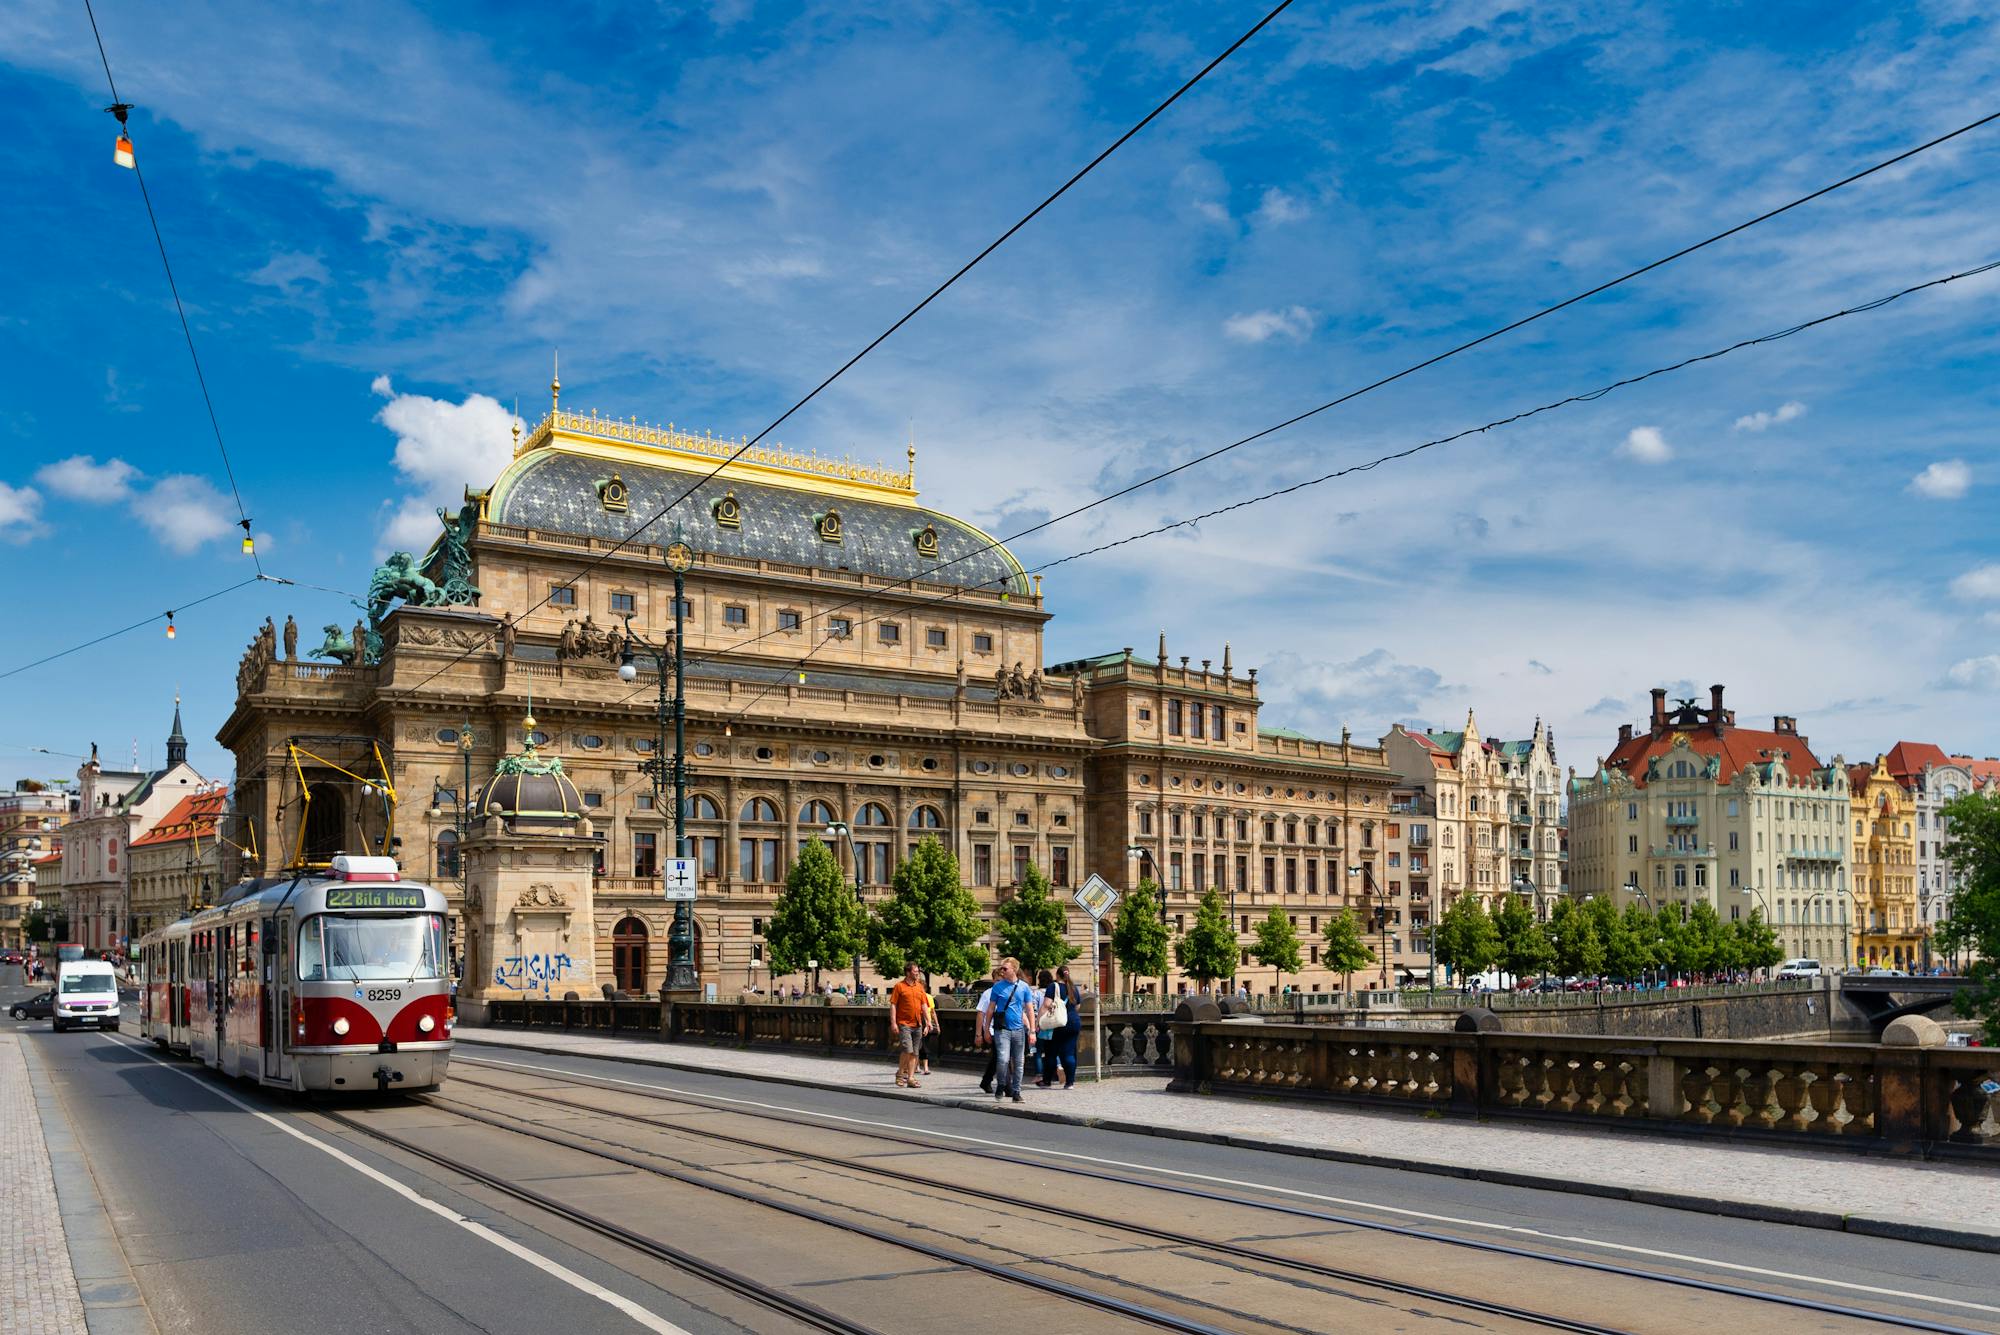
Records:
x=989, y=1142
x=581, y=1283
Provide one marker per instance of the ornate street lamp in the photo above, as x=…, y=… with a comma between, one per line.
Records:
x=680, y=937
x=1380, y=912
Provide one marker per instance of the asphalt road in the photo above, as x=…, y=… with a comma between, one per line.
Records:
x=235, y=1217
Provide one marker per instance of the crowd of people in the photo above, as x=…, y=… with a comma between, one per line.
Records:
x=1024, y=1026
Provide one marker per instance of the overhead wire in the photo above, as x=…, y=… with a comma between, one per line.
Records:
x=181, y=606
x=906, y=317
x=120, y=107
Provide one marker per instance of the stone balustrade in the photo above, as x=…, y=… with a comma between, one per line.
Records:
x=1882, y=1098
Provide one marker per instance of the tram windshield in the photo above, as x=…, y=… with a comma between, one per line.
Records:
x=337, y=948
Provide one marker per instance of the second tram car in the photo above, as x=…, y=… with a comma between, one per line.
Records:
x=333, y=980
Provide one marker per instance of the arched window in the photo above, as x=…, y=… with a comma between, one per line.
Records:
x=447, y=853
x=628, y=955
x=872, y=814
x=816, y=812
x=702, y=807
x=926, y=818
x=760, y=808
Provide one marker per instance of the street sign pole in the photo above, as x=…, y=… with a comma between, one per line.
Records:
x=1095, y=897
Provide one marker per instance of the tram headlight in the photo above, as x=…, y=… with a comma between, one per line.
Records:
x=426, y=1024
x=340, y=1027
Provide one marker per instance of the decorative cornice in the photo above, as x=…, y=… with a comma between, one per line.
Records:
x=710, y=447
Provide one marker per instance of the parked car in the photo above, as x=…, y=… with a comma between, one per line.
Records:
x=1799, y=968
x=1879, y=972
x=41, y=1006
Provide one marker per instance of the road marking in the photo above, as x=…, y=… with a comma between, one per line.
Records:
x=581, y=1283
x=1517, y=1229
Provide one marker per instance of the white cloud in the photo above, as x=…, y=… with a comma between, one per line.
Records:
x=1759, y=421
x=381, y=387
x=1279, y=208
x=183, y=511
x=1979, y=584
x=1646, y=445
x=289, y=270
x=441, y=448
x=1945, y=480
x=20, y=513
x=1293, y=322
x=1974, y=674
x=82, y=478
x=1318, y=696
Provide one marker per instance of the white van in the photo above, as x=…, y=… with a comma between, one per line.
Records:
x=1799, y=969
x=86, y=994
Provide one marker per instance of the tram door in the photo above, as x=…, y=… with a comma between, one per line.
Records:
x=277, y=993
x=220, y=988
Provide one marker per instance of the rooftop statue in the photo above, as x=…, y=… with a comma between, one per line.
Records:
x=337, y=647
x=398, y=577
x=454, y=585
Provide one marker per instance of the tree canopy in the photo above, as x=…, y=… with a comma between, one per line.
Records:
x=930, y=918
x=1207, y=950
x=1525, y=947
x=1343, y=951
x=1034, y=924
x=1465, y=940
x=1278, y=943
x=1139, y=940
x=817, y=917
x=1972, y=844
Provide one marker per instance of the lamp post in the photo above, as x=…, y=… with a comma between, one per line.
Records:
x=680, y=937
x=1366, y=871
x=461, y=802
x=837, y=831
x=1145, y=855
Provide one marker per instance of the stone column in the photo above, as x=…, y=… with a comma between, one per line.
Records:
x=530, y=915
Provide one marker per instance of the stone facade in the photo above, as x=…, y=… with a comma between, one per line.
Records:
x=176, y=866
x=1695, y=808
x=1888, y=929
x=31, y=821
x=114, y=807
x=1932, y=779
x=1494, y=810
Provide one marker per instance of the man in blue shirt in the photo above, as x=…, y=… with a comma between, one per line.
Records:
x=1009, y=1018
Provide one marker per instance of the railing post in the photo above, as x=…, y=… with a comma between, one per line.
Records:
x=1902, y=1112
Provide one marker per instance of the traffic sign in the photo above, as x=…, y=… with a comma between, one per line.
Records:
x=679, y=878
x=1095, y=896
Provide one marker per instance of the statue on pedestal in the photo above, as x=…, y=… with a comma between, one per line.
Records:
x=291, y=639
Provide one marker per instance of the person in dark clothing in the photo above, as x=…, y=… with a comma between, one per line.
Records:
x=1059, y=1051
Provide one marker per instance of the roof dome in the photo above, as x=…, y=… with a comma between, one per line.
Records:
x=531, y=789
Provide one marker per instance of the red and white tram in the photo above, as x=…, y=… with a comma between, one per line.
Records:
x=331, y=980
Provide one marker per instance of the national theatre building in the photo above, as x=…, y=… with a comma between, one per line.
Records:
x=922, y=708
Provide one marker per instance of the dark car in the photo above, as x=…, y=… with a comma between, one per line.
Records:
x=41, y=1006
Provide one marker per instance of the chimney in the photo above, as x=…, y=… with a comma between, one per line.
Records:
x=1784, y=723
x=1624, y=733
x=1659, y=707
x=1716, y=718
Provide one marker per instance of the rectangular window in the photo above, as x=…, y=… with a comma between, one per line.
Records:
x=733, y=615
x=624, y=602
x=1732, y=841
x=1174, y=823
x=1201, y=871
x=643, y=802
x=561, y=595
x=1173, y=718
x=1020, y=818
x=593, y=799
x=1242, y=873
x=1200, y=826
x=1735, y=879
x=1291, y=876
x=839, y=628
x=1312, y=879
x=1631, y=843
x=1020, y=863
x=1194, y=721
x=1059, y=864
x=1174, y=868
x=1243, y=829
x=982, y=864
x=935, y=638
x=788, y=621
x=1270, y=876
x=982, y=644
x=881, y=865
x=1145, y=822
x=709, y=849
x=645, y=855
x=1220, y=733
x=1245, y=924
x=890, y=633
x=680, y=607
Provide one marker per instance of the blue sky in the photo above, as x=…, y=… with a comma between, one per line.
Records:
x=386, y=217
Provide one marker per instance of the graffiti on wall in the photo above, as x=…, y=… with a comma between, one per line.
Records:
x=534, y=973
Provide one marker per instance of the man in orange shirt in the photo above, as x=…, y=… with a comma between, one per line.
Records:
x=910, y=1011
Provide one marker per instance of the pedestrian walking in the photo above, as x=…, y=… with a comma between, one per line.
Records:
x=982, y=1011
x=1011, y=1021
x=909, y=1007
x=1065, y=1019
x=932, y=1033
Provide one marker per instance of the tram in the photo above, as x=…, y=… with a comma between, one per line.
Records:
x=332, y=979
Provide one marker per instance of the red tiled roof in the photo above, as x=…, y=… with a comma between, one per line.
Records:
x=1986, y=771
x=1907, y=759
x=194, y=816
x=1738, y=747
x=43, y=862
x=1859, y=775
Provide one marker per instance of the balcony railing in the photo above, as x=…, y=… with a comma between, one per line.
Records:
x=1814, y=855
x=1682, y=820
x=1522, y=818
x=1420, y=839
x=1681, y=851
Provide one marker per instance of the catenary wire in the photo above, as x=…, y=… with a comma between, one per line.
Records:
x=126, y=630
x=907, y=316
x=992, y=543
x=187, y=332
x=1588, y=396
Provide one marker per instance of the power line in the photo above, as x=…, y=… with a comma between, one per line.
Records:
x=1588, y=396
x=119, y=108
x=126, y=630
x=907, y=316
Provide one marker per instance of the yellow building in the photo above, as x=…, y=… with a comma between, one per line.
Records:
x=1883, y=869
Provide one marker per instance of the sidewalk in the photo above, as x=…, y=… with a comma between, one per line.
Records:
x=1947, y=1204
x=41, y=1296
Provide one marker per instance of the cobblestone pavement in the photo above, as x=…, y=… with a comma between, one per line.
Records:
x=41, y=1296
x=1950, y=1195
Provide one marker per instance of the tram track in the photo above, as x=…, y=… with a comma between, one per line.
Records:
x=1696, y=1283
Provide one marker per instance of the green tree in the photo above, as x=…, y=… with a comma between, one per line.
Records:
x=1467, y=942
x=929, y=917
x=1755, y=945
x=1207, y=950
x=1139, y=939
x=1278, y=944
x=1342, y=950
x=36, y=925
x=1582, y=951
x=1972, y=844
x=817, y=917
x=1525, y=947
x=1628, y=945
x=1033, y=926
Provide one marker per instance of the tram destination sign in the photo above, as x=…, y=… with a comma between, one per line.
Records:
x=373, y=897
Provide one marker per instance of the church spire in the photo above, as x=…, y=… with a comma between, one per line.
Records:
x=177, y=744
